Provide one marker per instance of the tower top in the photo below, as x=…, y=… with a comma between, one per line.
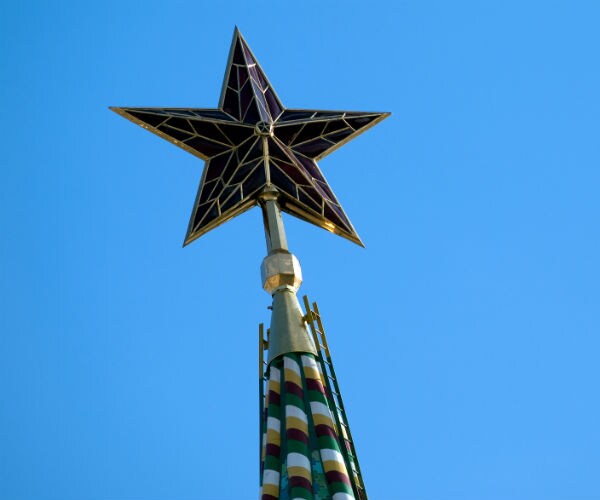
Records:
x=252, y=142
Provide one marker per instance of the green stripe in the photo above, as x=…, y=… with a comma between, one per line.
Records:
x=273, y=410
x=317, y=396
x=337, y=487
x=295, y=401
x=272, y=463
x=294, y=446
x=299, y=492
x=328, y=443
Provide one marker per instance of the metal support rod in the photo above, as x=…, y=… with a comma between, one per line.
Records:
x=281, y=277
x=274, y=230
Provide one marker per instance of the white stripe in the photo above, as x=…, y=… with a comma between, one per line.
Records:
x=264, y=440
x=334, y=455
x=273, y=424
x=271, y=477
x=294, y=411
x=298, y=460
x=289, y=363
x=274, y=374
x=308, y=361
x=342, y=496
x=320, y=408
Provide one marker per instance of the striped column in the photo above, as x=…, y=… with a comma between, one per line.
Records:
x=301, y=445
x=325, y=429
x=272, y=439
x=296, y=423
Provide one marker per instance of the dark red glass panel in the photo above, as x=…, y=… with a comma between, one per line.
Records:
x=216, y=165
x=310, y=131
x=360, y=122
x=207, y=190
x=282, y=181
x=334, y=125
x=181, y=123
x=242, y=151
x=313, y=148
x=289, y=115
x=206, y=147
x=340, y=135
x=231, y=104
x=153, y=120
x=208, y=130
x=252, y=115
x=286, y=133
x=256, y=181
x=235, y=198
x=233, y=80
x=310, y=166
x=211, y=113
x=238, y=58
x=205, y=213
x=326, y=189
x=172, y=132
x=273, y=103
x=242, y=72
x=236, y=133
x=314, y=194
x=242, y=172
x=334, y=216
x=308, y=201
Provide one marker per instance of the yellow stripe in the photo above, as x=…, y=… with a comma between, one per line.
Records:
x=334, y=465
x=274, y=386
x=273, y=437
x=271, y=489
x=292, y=376
x=299, y=471
x=296, y=423
x=311, y=372
x=321, y=419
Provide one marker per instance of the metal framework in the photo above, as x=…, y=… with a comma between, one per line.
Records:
x=257, y=152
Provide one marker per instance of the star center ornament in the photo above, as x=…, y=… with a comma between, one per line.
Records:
x=251, y=143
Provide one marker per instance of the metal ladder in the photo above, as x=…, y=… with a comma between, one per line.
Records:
x=263, y=346
x=334, y=397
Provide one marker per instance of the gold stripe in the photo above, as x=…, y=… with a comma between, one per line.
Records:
x=273, y=437
x=292, y=376
x=271, y=489
x=296, y=423
x=334, y=465
x=297, y=470
x=311, y=372
x=321, y=419
x=274, y=386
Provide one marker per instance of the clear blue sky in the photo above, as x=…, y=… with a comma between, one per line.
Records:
x=466, y=335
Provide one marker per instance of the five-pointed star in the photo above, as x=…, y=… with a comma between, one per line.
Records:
x=251, y=142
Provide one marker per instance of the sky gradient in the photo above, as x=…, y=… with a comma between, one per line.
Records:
x=466, y=334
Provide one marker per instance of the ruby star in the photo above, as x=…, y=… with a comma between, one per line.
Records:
x=251, y=142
